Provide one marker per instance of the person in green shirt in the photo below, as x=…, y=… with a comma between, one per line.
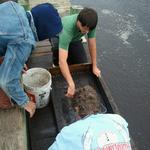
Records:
x=71, y=50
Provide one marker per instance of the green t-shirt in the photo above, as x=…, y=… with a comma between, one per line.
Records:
x=70, y=32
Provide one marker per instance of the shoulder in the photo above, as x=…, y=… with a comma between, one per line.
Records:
x=69, y=21
x=73, y=126
x=74, y=16
x=116, y=118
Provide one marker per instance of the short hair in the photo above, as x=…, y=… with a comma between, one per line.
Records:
x=88, y=17
x=85, y=100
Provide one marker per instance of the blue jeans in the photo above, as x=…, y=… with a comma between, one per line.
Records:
x=16, y=44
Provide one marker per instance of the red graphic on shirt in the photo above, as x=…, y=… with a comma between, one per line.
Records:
x=121, y=146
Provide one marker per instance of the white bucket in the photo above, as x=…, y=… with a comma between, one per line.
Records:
x=37, y=83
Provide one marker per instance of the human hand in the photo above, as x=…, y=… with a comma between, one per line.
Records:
x=30, y=107
x=97, y=71
x=25, y=68
x=71, y=91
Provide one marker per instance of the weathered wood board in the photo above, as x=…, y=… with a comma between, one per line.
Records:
x=13, y=135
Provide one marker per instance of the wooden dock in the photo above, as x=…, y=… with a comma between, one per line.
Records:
x=13, y=127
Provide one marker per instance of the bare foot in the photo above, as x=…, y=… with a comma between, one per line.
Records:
x=30, y=107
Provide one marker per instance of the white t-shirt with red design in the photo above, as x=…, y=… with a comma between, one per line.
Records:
x=95, y=132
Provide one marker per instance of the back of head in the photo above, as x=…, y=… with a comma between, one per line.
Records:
x=88, y=17
x=107, y=131
x=47, y=20
x=85, y=101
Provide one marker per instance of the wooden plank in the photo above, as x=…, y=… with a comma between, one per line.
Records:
x=44, y=61
x=13, y=134
x=42, y=48
x=72, y=68
x=41, y=53
x=12, y=125
x=41, y=56
x=43, y=43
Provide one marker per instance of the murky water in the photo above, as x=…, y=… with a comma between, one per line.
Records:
x=123, y=47
x=62, y=9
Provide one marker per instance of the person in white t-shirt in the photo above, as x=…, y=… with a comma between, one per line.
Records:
x=93, y=130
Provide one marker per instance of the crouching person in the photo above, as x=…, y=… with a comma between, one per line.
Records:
x=93, y=130
x=19, y=31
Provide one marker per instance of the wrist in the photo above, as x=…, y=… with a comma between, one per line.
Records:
x=94, y=65
x=71, y=84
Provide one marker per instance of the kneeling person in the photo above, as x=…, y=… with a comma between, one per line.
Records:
x=93, y=131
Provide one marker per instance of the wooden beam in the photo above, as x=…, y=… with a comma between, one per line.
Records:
x=13, y=134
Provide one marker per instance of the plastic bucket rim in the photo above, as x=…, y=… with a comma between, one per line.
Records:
x=37, y=88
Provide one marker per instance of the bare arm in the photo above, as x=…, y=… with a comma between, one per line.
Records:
x=92, y=50
x=63, y=55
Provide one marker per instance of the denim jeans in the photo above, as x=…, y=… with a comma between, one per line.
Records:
x=76, y=52
x=16, y=44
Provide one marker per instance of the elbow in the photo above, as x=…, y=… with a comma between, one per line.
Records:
x=63, y=55
x=62, y=62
